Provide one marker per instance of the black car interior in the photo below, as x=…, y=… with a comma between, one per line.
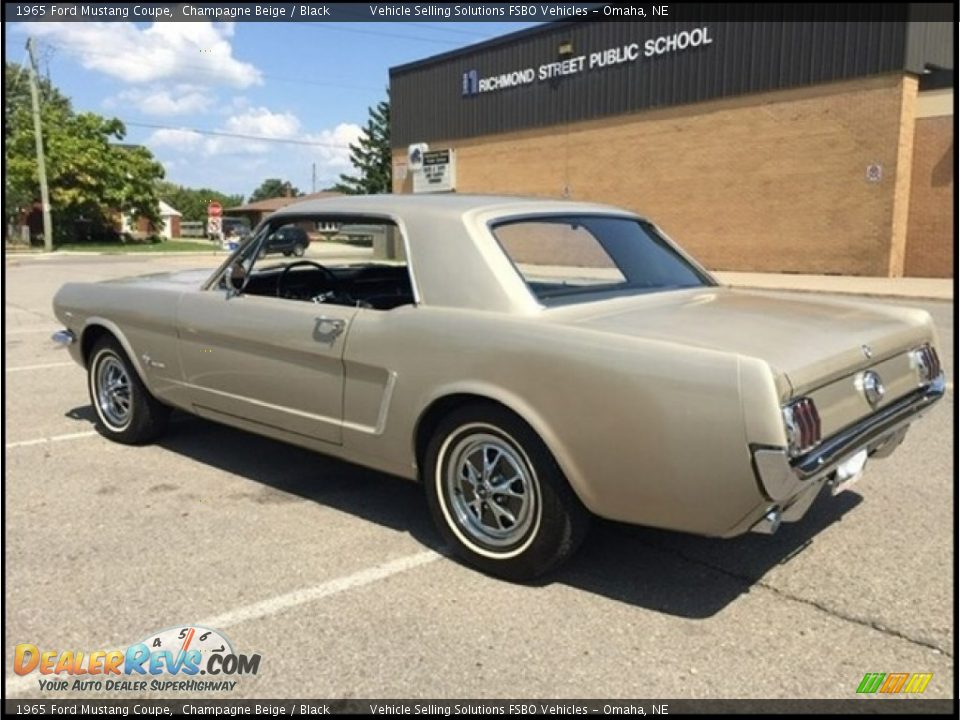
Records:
x=381, y=287
x=375, y=284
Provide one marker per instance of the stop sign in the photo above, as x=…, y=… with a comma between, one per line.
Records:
x=214, y=209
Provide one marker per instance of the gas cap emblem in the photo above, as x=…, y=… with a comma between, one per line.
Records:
x=872, y=387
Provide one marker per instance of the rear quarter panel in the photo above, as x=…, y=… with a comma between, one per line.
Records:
x=646, y=432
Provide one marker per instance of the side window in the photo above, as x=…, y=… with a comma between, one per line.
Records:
x=353, y=261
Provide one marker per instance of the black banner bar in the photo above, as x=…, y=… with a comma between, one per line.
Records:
x=470, y=12
x=447, y=708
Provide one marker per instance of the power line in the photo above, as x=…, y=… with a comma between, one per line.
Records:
x=323, y=26
x=242, y=136
x=437, y=27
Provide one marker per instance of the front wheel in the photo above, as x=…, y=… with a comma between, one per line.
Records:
x=497, y=495
x=127, y=412
x=298, y=250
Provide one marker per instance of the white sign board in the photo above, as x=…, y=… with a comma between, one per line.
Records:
x=214, y=226
x=415, y=155
x=438, y=172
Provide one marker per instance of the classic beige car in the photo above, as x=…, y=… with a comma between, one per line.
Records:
x=532, y=362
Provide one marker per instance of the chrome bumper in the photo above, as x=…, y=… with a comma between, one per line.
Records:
x=871, y=432
x=64, y=337
x=781, y=479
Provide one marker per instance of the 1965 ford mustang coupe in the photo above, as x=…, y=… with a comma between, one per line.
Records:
x=532, y=362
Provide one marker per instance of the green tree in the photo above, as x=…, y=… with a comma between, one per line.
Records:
x=272, y=188
x=371, y=156
x=17, y=121
x=91, y=176
x=192, y=202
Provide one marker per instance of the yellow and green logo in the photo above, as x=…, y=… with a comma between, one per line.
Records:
x=892, y=683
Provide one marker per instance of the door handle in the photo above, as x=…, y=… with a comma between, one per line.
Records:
x=328, y=328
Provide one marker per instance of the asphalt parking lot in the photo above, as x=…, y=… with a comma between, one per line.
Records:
x=336, y=577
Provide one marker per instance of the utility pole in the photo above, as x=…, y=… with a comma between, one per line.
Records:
x=41, y=163
x=313, y=179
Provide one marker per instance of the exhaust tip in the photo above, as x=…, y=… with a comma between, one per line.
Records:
x=769, y=524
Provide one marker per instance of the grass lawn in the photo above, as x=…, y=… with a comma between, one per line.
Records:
x=163, y=247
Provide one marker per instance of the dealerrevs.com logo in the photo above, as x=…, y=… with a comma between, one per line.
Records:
x=187, y=658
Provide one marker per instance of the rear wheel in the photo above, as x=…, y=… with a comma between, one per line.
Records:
x=127, y=412
x=497, y=495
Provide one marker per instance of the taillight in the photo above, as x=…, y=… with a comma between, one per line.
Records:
x=802, y=422
x=927, y=363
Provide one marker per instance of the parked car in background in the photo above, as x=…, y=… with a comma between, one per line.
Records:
x=289, y=240
x=235, y=227
x=534, y=363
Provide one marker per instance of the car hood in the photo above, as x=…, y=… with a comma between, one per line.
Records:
x=806, y=341
x=179, y=280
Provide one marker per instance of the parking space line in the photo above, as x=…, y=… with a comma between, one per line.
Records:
x=280, y=603
x=42, y=366
x=52, y=438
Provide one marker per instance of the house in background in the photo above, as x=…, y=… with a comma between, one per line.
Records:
x=169, y=224
x=257, y=211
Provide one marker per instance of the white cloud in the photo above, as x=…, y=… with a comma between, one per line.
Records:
x=181, y=100
x=241, y=164
x=256, y=122
x=185, y=51
x=334, y=154
x=261, y=121
x=182, y=140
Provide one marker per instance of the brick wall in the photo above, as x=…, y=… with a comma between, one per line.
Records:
x=930, y=238
x=773, y=182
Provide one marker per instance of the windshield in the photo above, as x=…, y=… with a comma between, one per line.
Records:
x=568, y=258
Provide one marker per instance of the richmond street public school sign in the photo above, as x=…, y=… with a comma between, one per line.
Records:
x=473, y=84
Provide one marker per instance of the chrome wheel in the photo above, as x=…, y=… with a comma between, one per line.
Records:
x=113, y=391
x=492, y=490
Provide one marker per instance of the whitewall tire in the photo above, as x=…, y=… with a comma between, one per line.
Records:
x=497, y=495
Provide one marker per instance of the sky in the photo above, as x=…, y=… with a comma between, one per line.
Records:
x=311, y=82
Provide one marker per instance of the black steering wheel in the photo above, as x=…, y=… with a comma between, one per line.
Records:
x=327, y=273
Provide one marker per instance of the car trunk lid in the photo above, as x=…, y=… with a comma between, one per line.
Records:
x=808, y=342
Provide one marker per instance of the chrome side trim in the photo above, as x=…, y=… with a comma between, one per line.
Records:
x=883, y=422
x=64, y=337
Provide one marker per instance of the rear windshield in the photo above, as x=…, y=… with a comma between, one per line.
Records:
x=574, y=258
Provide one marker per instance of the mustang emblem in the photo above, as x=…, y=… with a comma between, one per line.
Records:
x=867, y=351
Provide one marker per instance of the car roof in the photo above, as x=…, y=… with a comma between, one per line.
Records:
x=448, y=204
x=448, y=230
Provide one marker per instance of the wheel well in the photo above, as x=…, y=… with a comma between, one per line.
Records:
x=439, y=409
x=89, y=338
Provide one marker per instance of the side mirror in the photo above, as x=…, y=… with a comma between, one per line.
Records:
x=235, y=279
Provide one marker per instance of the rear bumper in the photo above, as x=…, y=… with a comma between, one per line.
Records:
x=785, y=482
x=871, y=432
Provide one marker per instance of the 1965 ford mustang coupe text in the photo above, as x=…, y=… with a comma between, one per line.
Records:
x=532, y=362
